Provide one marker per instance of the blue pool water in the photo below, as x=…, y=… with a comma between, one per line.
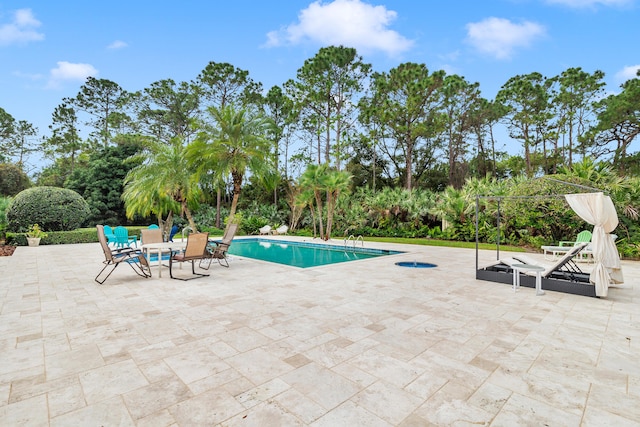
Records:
x=301, y=254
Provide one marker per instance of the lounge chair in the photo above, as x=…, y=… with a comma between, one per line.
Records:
x=196, y=249
x=582, y=237
x=114, y=257
x=265, y=230
x=218, y=249
x=564, y=246
x=123, y=239
x=283, y=229
x=565, y=267
x=563, y=275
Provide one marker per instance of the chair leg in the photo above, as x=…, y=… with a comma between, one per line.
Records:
x=223, y=258
x=193, y=270
x=103, y=269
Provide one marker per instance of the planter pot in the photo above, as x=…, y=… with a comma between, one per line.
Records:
x=33, y=241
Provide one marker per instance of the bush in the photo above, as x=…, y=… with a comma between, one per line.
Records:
x=12, y=180
x=4, y=205
x=55, y=209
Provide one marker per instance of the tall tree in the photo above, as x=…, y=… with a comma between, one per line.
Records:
x=527, y=100
x=223, y=84
x=406, y=103
x=618, y=123
x=460, y=100
x=279, y=108
x=236, y=144
x=484, y=116
x=7, y=123
x=325, y=91
x=573, y=102
x=23, y=141
x=100, y=99
x=169, y=110
x=65, y=141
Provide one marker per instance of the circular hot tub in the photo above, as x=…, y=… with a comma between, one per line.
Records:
x=415, y=264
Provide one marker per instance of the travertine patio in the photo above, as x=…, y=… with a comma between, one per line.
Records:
x=352, y=344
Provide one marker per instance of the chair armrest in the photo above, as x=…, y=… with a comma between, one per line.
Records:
x=566, y=243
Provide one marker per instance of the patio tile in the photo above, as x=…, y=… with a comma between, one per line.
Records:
x=348, y=344
x=110, y=412
x=28, y=412
x=321, y=385
x=111, y=380
x=387, y=402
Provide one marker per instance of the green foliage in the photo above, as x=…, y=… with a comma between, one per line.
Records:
x=101, y=182
x=55, y=209
x=79, y=235
x=36, y=232
x=4, y=205
x=12, y=180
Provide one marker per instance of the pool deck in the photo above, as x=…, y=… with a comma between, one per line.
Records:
x=363, y=343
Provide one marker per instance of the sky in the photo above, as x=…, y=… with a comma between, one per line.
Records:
x=49, y=48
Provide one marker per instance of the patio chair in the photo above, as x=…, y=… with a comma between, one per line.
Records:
x=152, y=226
x=565, y=267
x=265, y=230
x=582, y=237
x=173, y=232
x=111, y=238
x=196, y=249
x=283, y=229
x=218, y=249
x=151, y=235
x=114, y=257
x=123, y=239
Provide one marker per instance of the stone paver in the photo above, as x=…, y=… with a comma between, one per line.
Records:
x=352, y=344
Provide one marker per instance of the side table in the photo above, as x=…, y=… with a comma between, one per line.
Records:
x=517, y=268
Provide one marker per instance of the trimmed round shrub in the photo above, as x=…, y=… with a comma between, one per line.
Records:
x=53, y=208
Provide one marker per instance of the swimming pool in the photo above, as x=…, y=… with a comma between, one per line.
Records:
x=301, y=254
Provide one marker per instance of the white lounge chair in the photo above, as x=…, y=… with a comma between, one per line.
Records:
x=283, y=229
x=265, y=230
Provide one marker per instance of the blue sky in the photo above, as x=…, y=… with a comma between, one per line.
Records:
x=48, y=48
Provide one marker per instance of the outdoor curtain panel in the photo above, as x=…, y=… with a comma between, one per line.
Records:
x=598, y=210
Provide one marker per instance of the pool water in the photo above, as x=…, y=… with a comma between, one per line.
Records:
x=301, y=254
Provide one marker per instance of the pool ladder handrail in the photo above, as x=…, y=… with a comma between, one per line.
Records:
x=354, y=239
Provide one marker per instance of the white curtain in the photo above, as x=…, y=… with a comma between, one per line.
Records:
x=598, y=210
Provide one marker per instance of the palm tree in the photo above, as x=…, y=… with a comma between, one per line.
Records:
x=311, y=179
x=334, y=182
x=236, y=144
x=162, y=183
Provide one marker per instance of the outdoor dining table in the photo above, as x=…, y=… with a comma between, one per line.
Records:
x=162, y=247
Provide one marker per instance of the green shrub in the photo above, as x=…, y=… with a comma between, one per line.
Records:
x=4, y=205
x=12, y=179
x=55, y=209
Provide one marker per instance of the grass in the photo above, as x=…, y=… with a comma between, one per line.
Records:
x=447, y=243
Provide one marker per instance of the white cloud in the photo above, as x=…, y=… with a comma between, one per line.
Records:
x=69, y=71
x=499, y=37
x=351, y=23
x=118, y=44
x=627, y=73
x=22, y=29
x=578, y=4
